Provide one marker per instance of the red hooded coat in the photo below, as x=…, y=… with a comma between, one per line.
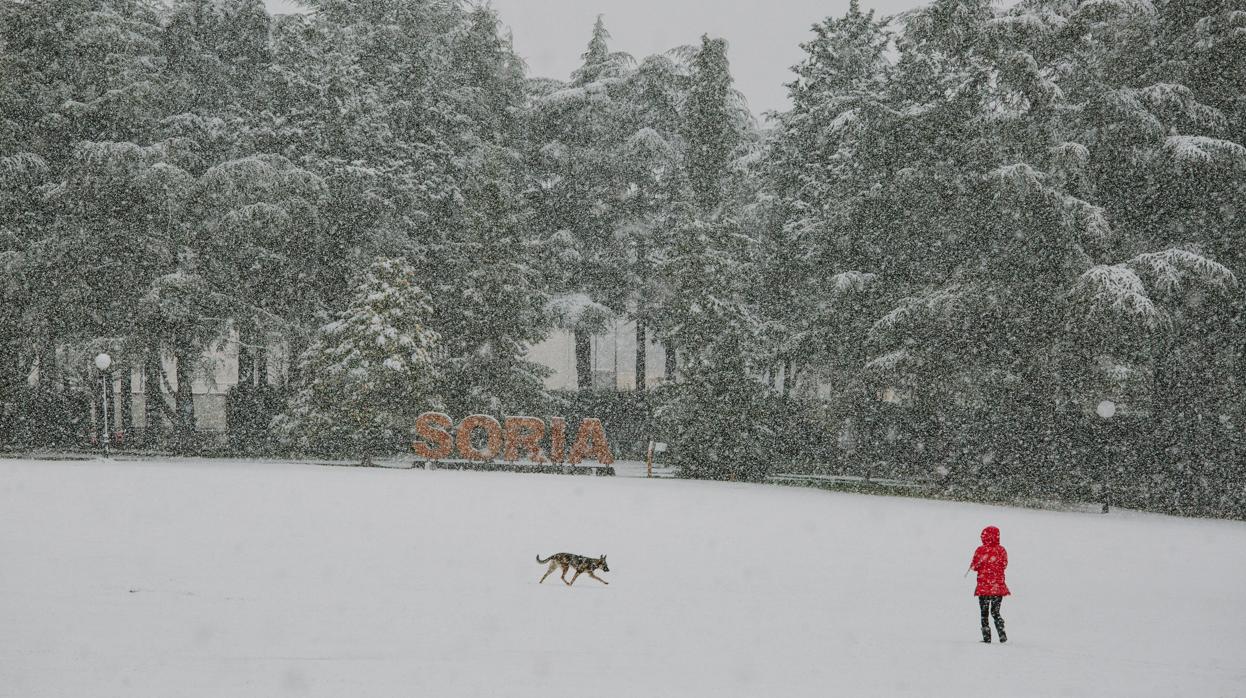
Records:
x=989, y=561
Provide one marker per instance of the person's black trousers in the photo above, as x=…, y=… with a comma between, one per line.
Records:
x=989, y=605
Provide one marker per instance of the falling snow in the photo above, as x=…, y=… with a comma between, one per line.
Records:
x=988, y=252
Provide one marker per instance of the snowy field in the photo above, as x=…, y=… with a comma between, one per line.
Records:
x=226, y=579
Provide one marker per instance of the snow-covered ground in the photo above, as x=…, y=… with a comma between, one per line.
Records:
x=212, y=579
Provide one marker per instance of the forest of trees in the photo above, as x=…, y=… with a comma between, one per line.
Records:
x=995, y=249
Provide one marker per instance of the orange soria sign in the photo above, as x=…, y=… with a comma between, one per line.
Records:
x=514, y=438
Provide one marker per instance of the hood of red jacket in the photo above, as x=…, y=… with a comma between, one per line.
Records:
x=990, y=536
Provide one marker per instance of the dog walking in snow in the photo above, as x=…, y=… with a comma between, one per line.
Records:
x=577, y=562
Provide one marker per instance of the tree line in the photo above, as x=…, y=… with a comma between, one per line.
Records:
x=974, y=232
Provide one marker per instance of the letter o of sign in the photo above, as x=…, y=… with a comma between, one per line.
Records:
x=494, y=435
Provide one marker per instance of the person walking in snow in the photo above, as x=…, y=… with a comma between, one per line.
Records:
x=989, y=561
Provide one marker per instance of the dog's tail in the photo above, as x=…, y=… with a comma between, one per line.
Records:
x=539, y=560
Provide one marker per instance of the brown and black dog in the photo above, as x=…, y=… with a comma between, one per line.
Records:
x=578, y=562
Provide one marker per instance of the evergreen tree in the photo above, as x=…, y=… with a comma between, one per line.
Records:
x=710, y=125
x=577, y=145
x=493, y=297
x=817, y=283
x=487, y=258
x=720, y=338
x=710, y=316
x=651, y=164
x=718, y=131
x=1162, y=155
x=369, y=373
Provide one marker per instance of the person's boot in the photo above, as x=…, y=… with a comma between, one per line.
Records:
x=986, y=633
x=999, y=627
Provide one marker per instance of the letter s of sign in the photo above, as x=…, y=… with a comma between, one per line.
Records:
x=437, y=443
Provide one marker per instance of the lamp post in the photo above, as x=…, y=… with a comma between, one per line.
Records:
x=103, y=362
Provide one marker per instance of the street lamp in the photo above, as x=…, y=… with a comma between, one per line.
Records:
x=103, y=362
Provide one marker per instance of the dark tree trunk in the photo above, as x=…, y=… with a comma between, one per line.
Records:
x=10, y=373
x=643, y=272
x=184, y=425
x=113, y=418
x=57, y=375
x=583, y=359
x=1161, y=393
x=250, y=405
x=47, y=365
x=672, y=363
x=789, y=377
x=246, y=362
x=642, y=343
x=261, y=366
x=154, y=406
x=127, y=404
x=46, y=425
x=10, y=381
x=296, y=347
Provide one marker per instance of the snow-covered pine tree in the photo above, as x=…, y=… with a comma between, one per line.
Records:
x=494, y=77
x=577, y=141
x=493, y=304
x=1147, y=321
x=1024, y=134
x=1207, y=43
x=710, y=126
x=22, y=175
x=74, y=71
x=369, y=373
x=960, y=174
x=1164, y=160
x=258, y=235
x=216, y=54
x=366, y=96
x=814, y=283
x=716, y=413
x=326, y=115
x=374, y=100
x=651, y=165
x=717, y=130
x=599, y=63
x=486, y=264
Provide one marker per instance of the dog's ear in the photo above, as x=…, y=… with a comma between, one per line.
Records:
x=603, y=557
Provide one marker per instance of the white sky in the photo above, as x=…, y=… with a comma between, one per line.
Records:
x=764, y=36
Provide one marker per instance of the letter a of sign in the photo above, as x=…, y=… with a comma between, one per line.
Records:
x=591, y=442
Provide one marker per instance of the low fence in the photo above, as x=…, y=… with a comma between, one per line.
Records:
x=849, y=481
x=518, y=467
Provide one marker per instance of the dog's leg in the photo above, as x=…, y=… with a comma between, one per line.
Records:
x=549, y=571
x=564, y=574
x=598, y=578
x=574, y=577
